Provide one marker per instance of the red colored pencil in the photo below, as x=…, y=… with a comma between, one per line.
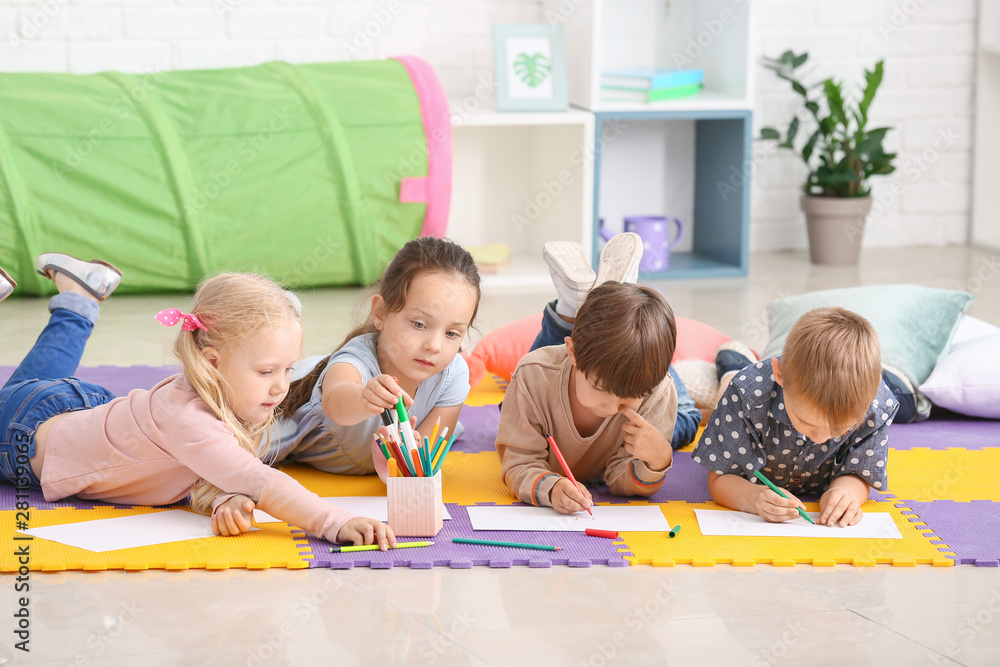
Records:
x=562, y=462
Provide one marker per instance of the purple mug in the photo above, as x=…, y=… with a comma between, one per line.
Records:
x=656, y=242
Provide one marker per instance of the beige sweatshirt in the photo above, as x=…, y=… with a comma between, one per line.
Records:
x=537, y=402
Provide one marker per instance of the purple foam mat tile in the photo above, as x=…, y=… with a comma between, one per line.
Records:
x=8, y=500
x=946, y=430
x=686, y=481
x=971, y=530
x=481, y=424
x=579, y=550
x=119, y=380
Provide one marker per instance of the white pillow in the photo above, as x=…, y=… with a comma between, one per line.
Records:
x=971, y=328
x=967, y=379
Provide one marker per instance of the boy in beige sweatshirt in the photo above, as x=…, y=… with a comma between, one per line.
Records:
x=605, y=396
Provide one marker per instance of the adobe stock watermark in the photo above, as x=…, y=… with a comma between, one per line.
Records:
x=34, y=21
x=486, y=88
x=249, y=149
x=100, y=641
x=970, y=627
x=460, y=624
x=552, y=188
x=606, y=650
x=986, y=270
x=777, y=652
x=122, y=109
x=302, y=610
x=902, y=13
x=708, y=32
x=760, y=324
x=364, y=34
x=916, y=166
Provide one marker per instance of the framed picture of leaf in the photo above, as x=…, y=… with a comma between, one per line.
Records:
x=530, y=67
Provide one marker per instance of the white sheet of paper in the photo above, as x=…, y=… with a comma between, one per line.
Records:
x=606, y=517
x=728, y=522
x=126, y=532
x=373, y=507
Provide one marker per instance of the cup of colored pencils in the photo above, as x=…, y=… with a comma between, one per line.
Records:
x=413, y=488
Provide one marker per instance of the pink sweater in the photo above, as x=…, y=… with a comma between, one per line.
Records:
x=150, y=447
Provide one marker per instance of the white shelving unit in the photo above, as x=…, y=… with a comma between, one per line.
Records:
x=985, y=195
x=522, y=179
x=711, y=35
x=528, y=178
x=676, y=157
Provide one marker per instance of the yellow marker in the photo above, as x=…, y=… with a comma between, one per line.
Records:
x=433, y=439
x=393, y=468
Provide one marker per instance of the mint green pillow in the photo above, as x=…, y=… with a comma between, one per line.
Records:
x=915, y=324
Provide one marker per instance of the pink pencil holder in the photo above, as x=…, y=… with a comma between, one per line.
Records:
x=416, y=505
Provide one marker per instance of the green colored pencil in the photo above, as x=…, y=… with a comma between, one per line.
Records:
x=515, y=545
x=781, y=493
x=374, y=547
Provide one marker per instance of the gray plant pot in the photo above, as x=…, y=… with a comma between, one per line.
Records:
x=835, y=225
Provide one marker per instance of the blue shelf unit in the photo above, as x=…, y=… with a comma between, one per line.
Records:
x=721, y=224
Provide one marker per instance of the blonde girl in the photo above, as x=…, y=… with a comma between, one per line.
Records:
x=190, y=435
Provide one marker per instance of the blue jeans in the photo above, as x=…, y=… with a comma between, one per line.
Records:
x=43, y=385
x=554, y=331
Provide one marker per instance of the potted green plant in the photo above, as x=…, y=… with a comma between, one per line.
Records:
x=842, y=154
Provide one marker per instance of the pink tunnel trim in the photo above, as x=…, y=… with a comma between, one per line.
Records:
x=413, y=190
x=436, y=119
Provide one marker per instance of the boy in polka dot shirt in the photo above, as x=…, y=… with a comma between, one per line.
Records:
x=814, y=421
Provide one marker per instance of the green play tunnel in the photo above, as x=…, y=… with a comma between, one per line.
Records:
x=314, y=174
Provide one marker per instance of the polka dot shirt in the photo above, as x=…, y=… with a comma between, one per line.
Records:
x=750, y=430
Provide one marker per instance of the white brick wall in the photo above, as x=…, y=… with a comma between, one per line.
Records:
x=927, y=97
x=928, y=45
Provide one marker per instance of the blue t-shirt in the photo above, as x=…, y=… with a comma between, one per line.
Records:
x=309, y=436
x=750, y=430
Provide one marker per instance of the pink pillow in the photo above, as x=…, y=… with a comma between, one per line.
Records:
x=500, y=350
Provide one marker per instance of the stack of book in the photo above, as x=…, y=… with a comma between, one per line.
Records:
x=490, y=259
x=650, y=84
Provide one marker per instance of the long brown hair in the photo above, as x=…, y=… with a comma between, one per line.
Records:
x=426, y=254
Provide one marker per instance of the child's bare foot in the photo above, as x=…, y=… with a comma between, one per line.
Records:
x=95, y=279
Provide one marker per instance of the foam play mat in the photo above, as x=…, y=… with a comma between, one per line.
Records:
x=941, y=498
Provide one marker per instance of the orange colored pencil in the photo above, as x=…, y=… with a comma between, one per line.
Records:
x=416, y=463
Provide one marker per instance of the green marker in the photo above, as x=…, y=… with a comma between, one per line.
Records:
x=782, y=494
x=677, y=529
x=514, y=545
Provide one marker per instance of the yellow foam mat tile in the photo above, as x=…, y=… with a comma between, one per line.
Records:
x=467, y=479
x=274, y=545
x=958, y=474
x=690, y=547
x=489, y=391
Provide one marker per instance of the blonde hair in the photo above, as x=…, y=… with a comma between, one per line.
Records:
x=832, y=360
x=233, y=307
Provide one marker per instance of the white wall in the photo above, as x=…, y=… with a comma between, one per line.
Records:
x=927, y=94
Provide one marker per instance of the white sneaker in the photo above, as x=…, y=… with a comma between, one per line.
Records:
x=97, y=277
x=7, y=285
x=571, y=274
x=620, y=259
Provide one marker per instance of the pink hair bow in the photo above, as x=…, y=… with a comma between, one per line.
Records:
x=171, y=316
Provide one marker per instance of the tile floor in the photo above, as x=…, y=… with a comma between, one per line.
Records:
x=560, y=616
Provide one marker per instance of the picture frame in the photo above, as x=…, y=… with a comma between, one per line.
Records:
x=530, y=63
